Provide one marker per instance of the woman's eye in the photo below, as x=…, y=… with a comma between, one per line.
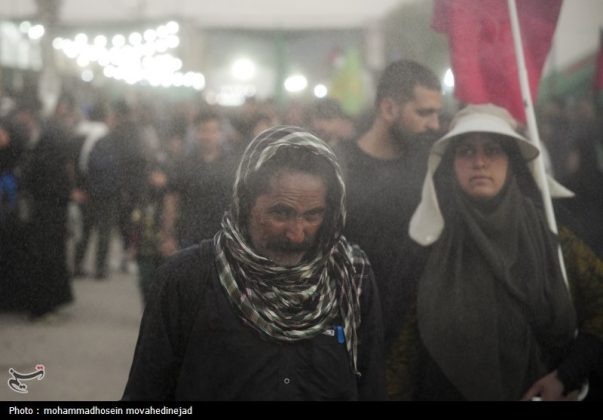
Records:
x=465, y=151
x=493, y=151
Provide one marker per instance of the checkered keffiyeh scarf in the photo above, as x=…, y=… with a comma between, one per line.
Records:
x=300, y=302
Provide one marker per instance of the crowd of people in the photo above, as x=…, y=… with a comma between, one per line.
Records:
x=296, y=256
x=160, y=178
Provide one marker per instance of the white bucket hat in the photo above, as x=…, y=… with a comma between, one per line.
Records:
x=486, y=119
x=427, y=222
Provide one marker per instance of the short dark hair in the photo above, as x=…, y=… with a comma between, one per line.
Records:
x=98, y=111
x=399, y=79
x=326, y=108
x=121, y=108
x=206, y=116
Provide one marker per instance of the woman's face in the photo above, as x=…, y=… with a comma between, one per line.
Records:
x=480, y=166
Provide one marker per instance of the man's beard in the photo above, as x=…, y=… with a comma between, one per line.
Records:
x=411, y=144
x=285, y=246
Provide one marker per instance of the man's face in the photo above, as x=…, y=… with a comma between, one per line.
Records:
x=285, y=220
x=209, y=134
x=417, y=117
x=4, y=138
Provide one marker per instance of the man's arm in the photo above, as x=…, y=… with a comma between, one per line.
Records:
x=166, y=325
x=169, y=244
x=155, y=365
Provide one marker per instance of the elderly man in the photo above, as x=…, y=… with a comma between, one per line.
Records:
x=278, y=306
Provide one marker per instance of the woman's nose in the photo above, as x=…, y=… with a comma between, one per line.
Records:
x=479, y=160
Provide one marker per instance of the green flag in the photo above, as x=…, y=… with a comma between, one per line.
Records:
x=347, y=84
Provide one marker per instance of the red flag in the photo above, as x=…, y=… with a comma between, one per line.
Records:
x=482, y=51
x=598, y=80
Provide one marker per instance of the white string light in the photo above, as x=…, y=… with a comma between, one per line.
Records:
x=142, y=57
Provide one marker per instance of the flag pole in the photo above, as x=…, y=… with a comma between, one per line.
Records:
x=532, y=126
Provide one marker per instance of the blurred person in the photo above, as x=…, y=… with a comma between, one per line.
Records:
x=66, y=112
x=493, y=318
x=149, y=137
x=50, y=178
x=199, y=190
x=327, y=119
x=116, y=171
x=279, y=305
x=384, y=168
x=556, y=133
x=12, y=230
x=26, y=116
x=146, y=229
x=586, y=180
x=294, y=114
x=135, y=157
x=250, y=126
x=174, y=141
x=145, y=234
x=91, y=131
x=260, y=122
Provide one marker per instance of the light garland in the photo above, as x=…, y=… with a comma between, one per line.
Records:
x=138, y=58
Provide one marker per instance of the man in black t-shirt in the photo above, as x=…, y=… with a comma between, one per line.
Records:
x=384, y=172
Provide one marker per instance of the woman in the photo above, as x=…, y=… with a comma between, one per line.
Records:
x=12, y=230
x=494, y=317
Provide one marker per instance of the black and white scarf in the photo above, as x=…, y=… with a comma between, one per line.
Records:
x=300, y=302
